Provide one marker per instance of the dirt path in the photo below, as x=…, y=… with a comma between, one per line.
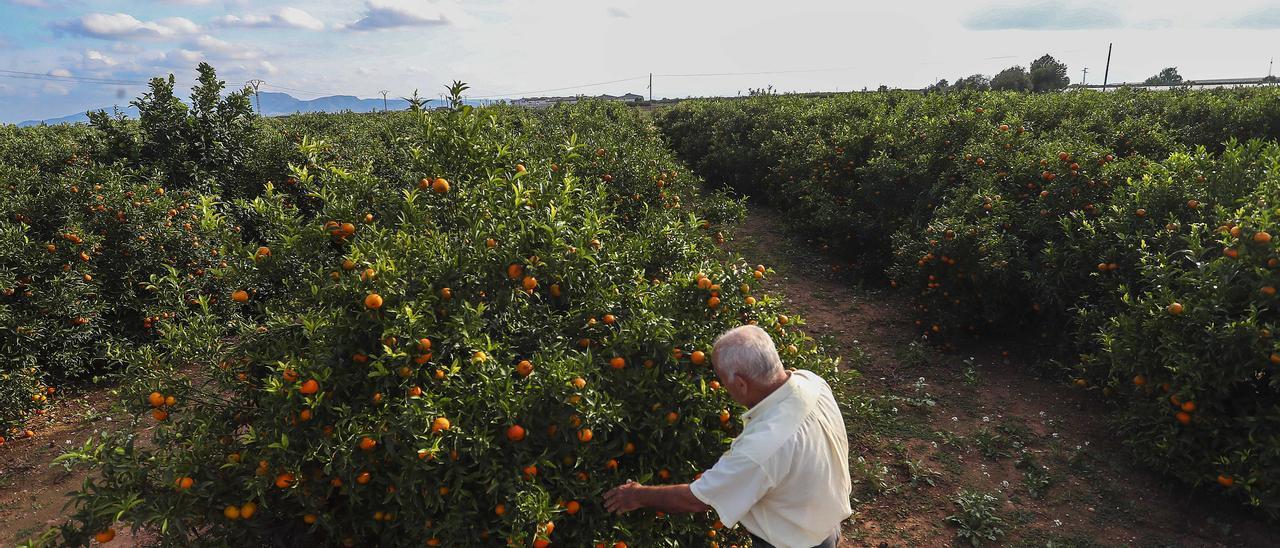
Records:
x=32, y=489
x=927, y=426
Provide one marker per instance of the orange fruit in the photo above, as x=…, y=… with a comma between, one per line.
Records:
x=500, y=509
x=157, y=414
x=1189, y=406
x=698, y=357
x=1261, y=237
x=309, y=387
x=367, y=443
x=515, y=271
x=363, y=478
x=156, y=399
x=1139, y=380
x=231, y=512
x=618, y=362
x=515, y=432
x=713, y=302
x=572, y=507
x=1174, y=309
x=440, y=185
x=612, y=464
x=629, y=448
x=248, y=509
x=609, y=319
x=1225, y=480
x=579, y=383
x=672, y=417
x=105, y=536
x=184, y=483
x=373, y=301
x=585, y=435
x=529, y=283
x=524, y=368
x=1183, y=417
x=240, y=295
x=309, y=519
x=284, y=480
x=439, y=425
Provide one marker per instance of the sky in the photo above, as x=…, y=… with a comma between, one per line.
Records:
x=58, y=57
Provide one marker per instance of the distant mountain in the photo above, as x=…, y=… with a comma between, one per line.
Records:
x=273, y=104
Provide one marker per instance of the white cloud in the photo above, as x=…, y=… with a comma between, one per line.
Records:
x=286, y=17
x=30, y=3
x=60, y=73
x=222, y=49
x=175, y=59
x=94, y=59
x=122, y=26
x=267, y=67
x=617, y=12
x=389, y=14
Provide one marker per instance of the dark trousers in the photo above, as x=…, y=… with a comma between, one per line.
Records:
x=831, y=541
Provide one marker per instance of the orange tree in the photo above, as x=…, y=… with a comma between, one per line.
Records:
x=468, y=355
x=80, y=246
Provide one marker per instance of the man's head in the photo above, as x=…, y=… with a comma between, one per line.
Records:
x=747, y=363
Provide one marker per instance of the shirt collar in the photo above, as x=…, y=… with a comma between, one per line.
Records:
x=772, y=400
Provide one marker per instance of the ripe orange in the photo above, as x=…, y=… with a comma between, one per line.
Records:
x=1268, y=290
x=367, y=443
x=500, y=509
x=415, y=392
x=585, y=435
x=446, y=293
x=440, y=185
x=1225, y=480
x=284, y=480
x=1183, y=417
x=248, y=509
x=309, y=387
x=572, y=507
x=618, y=362
x=530, y=471
x=529, y=283
x=1189, y=406
x=1139, y=380
x=672, y=417
x=439, y=425
x=612, y=464
x=609, y=319
x=515, y=271
x=363, y=478
x=524, y=368
x=184, y=483
x=308, y=519
x=240, y=296
x=629, y=448
x=515, y=432
x=373, y=301
x=157, y=414
x=1174, y=309
x=579, y=383
x=263, y=251
x=105, y=536
x=713, y=302
x=698, y=357
x=231, y=512
x=156, y=399
x=1261, y=237
x=555, y=290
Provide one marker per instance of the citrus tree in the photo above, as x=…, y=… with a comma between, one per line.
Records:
x=471, y=353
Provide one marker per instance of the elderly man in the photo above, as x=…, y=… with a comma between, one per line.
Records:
x=786, y=477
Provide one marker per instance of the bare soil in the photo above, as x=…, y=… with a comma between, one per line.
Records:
x=971, y=417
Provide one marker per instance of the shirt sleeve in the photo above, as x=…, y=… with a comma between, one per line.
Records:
x=732, y=487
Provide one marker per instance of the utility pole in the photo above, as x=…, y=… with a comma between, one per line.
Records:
x=384, y=99
x=1106, y=73
x=254, y=84
x=1084, y=78
x=650, y=87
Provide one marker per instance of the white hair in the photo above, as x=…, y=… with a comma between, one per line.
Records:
x=746, y=350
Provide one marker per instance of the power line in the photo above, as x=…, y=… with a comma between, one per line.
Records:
x=78, y=79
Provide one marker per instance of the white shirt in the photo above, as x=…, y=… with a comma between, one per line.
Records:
x=786, y=477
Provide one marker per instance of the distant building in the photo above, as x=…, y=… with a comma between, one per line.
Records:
x=544, y=102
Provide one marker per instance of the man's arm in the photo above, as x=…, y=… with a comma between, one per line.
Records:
x=671, y=499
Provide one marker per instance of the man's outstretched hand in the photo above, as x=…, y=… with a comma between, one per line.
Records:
x=623, y=498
